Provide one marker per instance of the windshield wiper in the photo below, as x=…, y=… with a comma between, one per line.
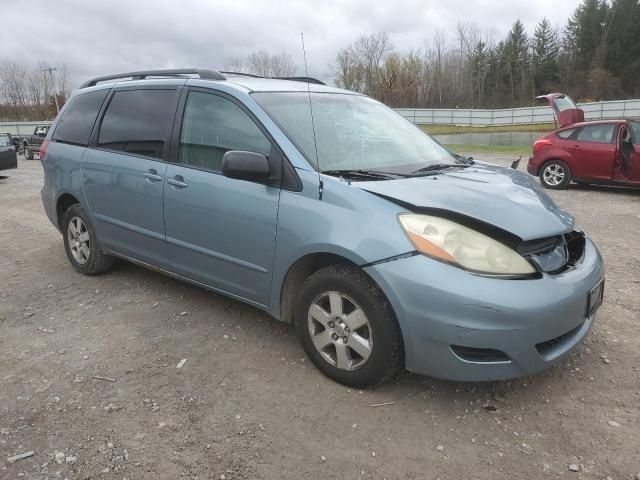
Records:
x=365, y=174
x=439, y=167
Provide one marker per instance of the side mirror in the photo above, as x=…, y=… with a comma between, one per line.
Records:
x=242, y=165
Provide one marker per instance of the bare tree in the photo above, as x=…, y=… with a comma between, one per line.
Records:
x=266, y=65
x=369, y=51
x=32, y=92
x=14, y=85
x=234, y=64
x=439, y=50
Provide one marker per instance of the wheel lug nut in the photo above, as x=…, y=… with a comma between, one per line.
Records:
x=331, y=324
x=334, y=337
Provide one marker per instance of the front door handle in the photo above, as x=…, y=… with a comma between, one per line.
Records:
x=177, y=182
x=152, y=175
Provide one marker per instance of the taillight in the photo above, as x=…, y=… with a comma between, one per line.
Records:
x=539, y=144
x=43, y=150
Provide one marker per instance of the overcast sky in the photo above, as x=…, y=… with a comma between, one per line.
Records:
x=95, y=37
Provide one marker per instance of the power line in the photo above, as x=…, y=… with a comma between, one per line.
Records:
x=50, y=71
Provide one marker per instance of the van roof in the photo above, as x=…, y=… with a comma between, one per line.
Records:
x=251, y=83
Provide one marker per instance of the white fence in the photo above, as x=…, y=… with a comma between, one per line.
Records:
x=515, y=116
x=19, y=129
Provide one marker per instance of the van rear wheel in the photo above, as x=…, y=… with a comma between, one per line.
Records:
x=28, y=153
x=81, y=245
x=347, y=327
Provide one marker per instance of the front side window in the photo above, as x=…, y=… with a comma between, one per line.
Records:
x=138, y=121
x=78, y=118
x=352, y=132
x=596, y=133
x=211, y=126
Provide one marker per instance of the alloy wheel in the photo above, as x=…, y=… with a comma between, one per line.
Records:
x=553, y=174
x=340, y=330
x=79, y=241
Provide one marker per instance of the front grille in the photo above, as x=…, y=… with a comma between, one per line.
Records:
x=479, y=355
x=545, y=347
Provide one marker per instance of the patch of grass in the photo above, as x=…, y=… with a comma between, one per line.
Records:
x=525, y=150
x=447, y=129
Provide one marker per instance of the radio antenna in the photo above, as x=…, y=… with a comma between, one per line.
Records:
x=313, y=125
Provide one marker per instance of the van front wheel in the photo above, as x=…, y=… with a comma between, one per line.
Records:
x=347, y=327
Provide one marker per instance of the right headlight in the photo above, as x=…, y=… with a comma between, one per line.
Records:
x=461, y=246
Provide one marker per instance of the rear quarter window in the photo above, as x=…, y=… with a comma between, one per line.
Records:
x=78, y=118
x=566, y=133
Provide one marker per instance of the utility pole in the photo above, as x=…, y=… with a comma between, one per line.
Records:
x=50, y=71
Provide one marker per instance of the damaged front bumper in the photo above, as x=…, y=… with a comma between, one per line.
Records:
x=466, y=327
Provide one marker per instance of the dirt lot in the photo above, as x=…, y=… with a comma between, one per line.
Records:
x=88, y=372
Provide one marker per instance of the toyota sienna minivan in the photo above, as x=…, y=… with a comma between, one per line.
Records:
x=327, y=210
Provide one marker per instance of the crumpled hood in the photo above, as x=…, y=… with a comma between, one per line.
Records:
x=503, y=197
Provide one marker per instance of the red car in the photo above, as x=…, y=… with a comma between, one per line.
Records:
x=600, y=152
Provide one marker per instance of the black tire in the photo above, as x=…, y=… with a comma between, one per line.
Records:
x=387, y=352
x=97, y=261
x=549, y=175
x=28, y=153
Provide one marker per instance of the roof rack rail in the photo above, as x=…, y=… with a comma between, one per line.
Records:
x=203, y=73
x=302, y=79
x=242, y=74
x=293, y=79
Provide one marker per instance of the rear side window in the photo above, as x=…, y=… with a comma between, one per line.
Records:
x=5, y=140
x=78, y=118
x=213, y=125
x=566, y=133
x=596, y=133
x=137, y=122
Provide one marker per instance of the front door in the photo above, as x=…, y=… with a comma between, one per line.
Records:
x=593, y=151
x=634, y=164
x=123, y=176
x=220, y=231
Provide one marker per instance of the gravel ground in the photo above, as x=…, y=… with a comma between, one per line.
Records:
x=89, y=379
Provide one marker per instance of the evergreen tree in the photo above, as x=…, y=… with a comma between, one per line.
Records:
x=585, y=31
x=516, y=51
x=623, y=45
x=545, y=50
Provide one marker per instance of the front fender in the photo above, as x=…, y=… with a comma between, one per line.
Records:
x=348, y=222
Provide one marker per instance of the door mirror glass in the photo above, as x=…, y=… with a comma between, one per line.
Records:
x=244, y=165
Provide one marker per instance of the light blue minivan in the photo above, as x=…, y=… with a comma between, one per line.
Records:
x=328, y=210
